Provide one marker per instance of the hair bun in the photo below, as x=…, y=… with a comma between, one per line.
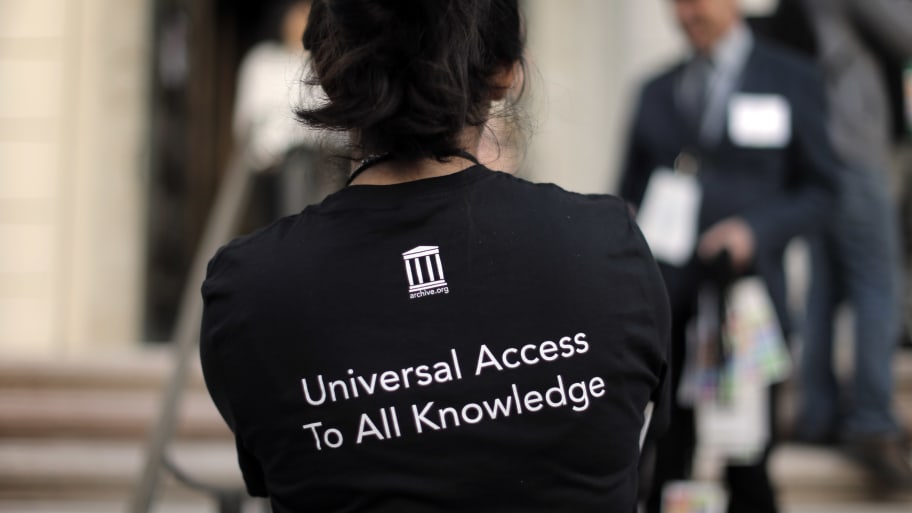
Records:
x=408, y=76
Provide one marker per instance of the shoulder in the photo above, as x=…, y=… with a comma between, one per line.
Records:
x=557, y=194
x=548, y=204
x=661, y=81
x=247, y=256
x=653, y=96
x=786, y=62
x=793, y=74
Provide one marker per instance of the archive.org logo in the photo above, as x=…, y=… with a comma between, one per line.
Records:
x=424, y=270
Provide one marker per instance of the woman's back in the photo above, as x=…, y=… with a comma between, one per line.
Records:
x=470, y=342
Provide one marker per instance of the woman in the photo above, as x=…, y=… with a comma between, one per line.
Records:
x=436, y=336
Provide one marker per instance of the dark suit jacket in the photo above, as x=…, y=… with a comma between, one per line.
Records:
x=781, y=192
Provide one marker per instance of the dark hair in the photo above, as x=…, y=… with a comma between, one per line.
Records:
x=407, y=76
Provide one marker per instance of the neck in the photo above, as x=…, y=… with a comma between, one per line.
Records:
x=393, y=171
x=723, y=38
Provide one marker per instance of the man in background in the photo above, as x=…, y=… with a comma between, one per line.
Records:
x=746, y=119
x=270, y=86
x=857, y=258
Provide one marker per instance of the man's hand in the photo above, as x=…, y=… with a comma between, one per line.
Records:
x=732, y=234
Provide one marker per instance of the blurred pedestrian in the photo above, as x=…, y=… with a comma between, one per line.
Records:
x=857, y=258
x=745, y=118
x=269, y=87
x=436, y=336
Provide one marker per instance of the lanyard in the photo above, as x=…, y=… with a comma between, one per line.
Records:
x=385, y=157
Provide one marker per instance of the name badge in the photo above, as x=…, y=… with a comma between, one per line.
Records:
x=668, y=215
x=759, y=121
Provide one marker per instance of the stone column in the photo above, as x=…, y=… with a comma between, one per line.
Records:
x=72, y=121
x=586, y=57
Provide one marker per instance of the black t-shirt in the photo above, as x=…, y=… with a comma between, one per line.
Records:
x=471, y=342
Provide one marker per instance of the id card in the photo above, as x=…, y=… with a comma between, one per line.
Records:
x=759, y=121
x=668, y=215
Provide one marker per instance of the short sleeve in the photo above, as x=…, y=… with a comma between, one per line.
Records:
x=219, y=323
x=658, y=297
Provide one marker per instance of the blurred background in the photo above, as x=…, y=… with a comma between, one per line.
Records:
x=115, y=131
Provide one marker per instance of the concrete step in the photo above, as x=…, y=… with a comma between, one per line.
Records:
x=809, y=475
x=815, y=477
x=78, y=469
x=73, y=432
x=848, y=507
x=101, y=413
x=147, y=368
x=185, y=505
x=115, y=396
x=119, y=505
